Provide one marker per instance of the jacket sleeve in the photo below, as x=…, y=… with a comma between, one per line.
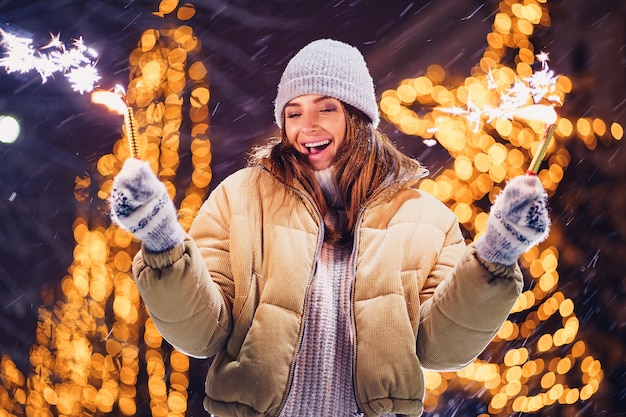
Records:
x=189, y=289
x=465, y=301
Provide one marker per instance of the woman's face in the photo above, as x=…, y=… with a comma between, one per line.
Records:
x=316, y=126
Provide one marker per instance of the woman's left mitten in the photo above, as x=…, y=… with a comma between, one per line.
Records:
x=518, y=220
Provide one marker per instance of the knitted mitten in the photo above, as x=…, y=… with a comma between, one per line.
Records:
x=517, y=221
x=140, y=204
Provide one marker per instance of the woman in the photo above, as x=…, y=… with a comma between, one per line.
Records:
x=320, y=278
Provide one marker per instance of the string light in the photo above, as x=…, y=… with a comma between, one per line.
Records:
x=90, y=346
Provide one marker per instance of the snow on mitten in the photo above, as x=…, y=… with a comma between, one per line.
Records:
x=517, y=221
x=140, y=204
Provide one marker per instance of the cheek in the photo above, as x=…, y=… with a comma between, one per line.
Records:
x=340, y=133
x=291, y=135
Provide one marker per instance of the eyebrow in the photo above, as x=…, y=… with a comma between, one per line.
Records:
x=317, y=100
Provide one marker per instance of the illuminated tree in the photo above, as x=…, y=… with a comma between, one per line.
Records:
x=536, y=360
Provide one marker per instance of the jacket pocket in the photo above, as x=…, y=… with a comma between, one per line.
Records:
x=410, y=289
x=243, y=314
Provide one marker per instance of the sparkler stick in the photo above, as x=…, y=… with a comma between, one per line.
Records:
x=131, y=130
x=116, y=100
x=539, y=113
x=541, y=152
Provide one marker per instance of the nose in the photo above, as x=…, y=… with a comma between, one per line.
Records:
x=309, y=121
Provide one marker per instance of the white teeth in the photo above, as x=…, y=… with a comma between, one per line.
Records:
x=320, y=143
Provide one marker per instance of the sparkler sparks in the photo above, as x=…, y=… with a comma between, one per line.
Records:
x=115, y=100
x=76, y=62
x=523, y=95
x=531, y=99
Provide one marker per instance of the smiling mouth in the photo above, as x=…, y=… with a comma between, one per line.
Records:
x=317, y=146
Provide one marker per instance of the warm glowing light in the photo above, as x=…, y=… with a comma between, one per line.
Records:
x=537, y=112
x=113, y=100
x=509, y=114
x=88, y=342
x=617, y=131
x=583, y=126
x=116, y=101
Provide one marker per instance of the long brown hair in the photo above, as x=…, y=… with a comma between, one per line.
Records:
x=368, y=166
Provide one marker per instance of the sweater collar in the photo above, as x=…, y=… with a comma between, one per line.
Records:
x=329, y=187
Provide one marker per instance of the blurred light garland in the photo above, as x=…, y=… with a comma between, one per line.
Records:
x=92, y=342
x=534, y=375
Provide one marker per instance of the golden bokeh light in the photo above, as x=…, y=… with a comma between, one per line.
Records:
x=486, y=155
x=87, y=348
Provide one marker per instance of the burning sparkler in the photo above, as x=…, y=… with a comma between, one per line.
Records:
x=76, y=62
x=521, y=101
x=116, y=100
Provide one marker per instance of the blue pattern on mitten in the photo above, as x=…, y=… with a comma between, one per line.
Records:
x=518, y=220
x=140, y=204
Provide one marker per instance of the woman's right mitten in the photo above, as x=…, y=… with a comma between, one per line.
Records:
x=140, y=204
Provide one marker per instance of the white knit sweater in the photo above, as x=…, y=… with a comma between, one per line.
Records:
x=322, y=383
x=323, y=379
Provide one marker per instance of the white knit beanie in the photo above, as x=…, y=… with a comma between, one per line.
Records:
x=330, y=68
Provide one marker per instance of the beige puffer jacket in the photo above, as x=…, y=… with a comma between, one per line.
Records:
x=238, y=289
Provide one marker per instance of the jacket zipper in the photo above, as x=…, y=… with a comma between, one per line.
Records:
x=359, y=412
x=318, y=249
x=357, y=229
